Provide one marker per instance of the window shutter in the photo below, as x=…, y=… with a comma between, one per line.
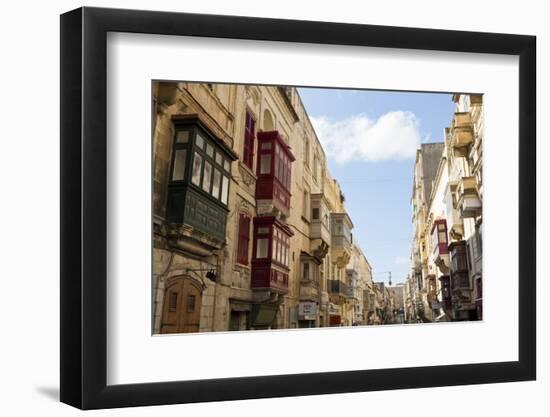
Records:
x=248, y=152
x=244, y=236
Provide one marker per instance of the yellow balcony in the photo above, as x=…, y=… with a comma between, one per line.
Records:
x=462, y=133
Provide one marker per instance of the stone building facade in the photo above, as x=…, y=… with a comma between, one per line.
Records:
x=446, y=252
x=250, y=230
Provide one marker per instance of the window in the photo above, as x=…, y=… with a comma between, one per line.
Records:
x=190, y=303
x=209, y=150
x=459, y=260
x=306, y=151
x=216, y=183
x=199, y=141
x=207, y=166
x=173, y=301
x=178, y=172
x=315, y=164
x=265, y=165
x=261, y=248
x=180, y=155
x=207, y=177
x=244, y=233
x=182, y=136
x=305, y=271
x=197, y=167
x=249, y=135
x=315, y=214
x=225, y=190
x=305, y=207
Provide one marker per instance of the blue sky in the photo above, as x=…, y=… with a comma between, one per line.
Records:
x=370, y=138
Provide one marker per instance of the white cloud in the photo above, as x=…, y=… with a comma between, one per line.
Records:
x=394, y=135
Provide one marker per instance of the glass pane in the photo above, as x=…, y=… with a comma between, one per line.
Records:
x=209, y=150
x=266, y=145
x=207, y=177
x=182, y=136
x=199, y=141
x=263, y=230
x=227, y=165
x=197, y=166
x=225, y=190
x=178, y=173
x=261, y=248
x=315, y=213
x=265, y=165
x=219, y=159
x=190, y=303
x=217, y=183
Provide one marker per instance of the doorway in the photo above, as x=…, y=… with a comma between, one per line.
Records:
x=182, y=306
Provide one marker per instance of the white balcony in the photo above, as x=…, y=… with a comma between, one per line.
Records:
x=468, y=201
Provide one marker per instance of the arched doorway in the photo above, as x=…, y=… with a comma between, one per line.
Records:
x=182, y=306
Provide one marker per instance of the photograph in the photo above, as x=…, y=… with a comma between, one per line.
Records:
x=287, y=207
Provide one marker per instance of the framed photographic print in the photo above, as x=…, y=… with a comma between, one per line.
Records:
x=257, y=208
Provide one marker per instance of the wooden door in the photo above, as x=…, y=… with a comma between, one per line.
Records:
x=182, y=306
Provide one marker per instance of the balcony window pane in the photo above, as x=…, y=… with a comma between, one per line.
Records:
x=261, y=248
x=219, y=159
x=207, y=177
x=178, y=172
x=227, y=165
x=197, y=166
x=225, y=190
x=263, y=230
x=266, y=145
x=199, y=141
x=315, y=213
x=216, y=185
x=209, y=150
x=182, y=136
x=265, y=165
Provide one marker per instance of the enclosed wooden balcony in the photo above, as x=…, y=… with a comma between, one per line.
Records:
x=338, y=289
x=270, y=261
x=274, y=168
x=320, y=219
x=468, y=201
x=462, y=133
x=341, y=238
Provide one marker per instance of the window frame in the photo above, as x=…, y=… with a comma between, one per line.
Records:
x=192, y=148
x=249, y=139
x=243, y=239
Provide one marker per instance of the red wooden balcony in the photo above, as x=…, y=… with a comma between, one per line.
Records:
x=274, y=168
x=270, y=262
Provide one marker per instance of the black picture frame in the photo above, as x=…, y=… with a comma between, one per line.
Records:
x=84, y=207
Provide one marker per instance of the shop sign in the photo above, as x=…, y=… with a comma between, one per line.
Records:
x=307, y=310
